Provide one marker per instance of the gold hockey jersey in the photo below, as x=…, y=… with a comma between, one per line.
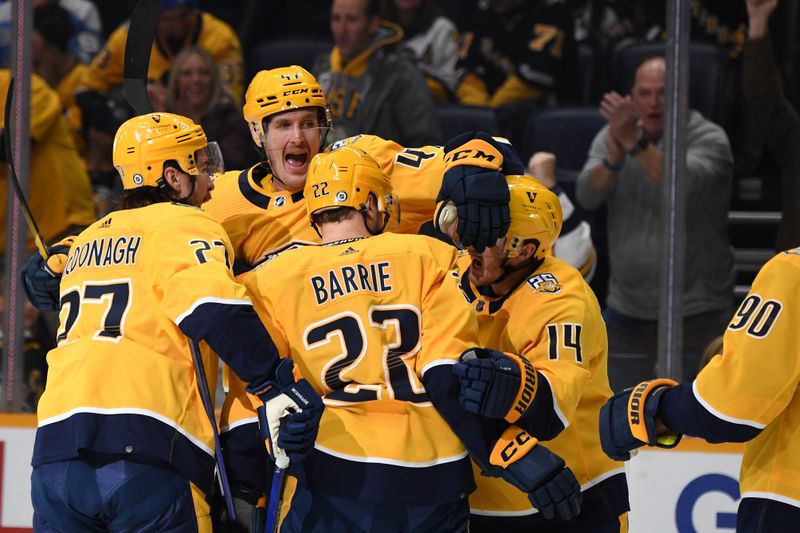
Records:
x=263, y=221
x=553, y=319
x=210, y=33
x=755, y=381
x=260, y=220
x=365, y=320
x=121, y=380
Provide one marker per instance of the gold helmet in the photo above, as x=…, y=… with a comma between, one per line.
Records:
x=535, y=214
x=345, y=178
x=282, y=89
x=144, y=143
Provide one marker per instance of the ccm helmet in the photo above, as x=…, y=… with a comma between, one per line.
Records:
x=282, y=89
x=144, y=143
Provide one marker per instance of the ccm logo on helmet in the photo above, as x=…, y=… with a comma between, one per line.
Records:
x=295, y=91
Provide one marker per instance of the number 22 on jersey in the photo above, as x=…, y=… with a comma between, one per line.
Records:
x=374, y=362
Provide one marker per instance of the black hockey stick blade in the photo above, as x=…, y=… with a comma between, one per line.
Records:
x=12, y=174
x=141, y=32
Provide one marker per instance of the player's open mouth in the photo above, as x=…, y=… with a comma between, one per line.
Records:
x=296, y=160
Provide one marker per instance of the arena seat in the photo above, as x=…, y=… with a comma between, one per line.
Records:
x=567, y=132
x=285, y=52
x=455, y=119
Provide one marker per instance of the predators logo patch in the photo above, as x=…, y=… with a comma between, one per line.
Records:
x=544, y=283
x=344, y=142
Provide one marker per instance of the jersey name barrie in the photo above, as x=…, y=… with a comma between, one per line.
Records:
x=348, y=279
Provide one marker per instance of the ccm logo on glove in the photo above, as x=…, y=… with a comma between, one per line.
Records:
x=475, y=152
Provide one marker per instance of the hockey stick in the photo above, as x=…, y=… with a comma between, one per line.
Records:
x=275, y=499
x=141, y=32
x=205, y=396
x=278, y=478
x=12, y=173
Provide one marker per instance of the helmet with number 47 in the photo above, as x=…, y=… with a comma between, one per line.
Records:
x=282, y=89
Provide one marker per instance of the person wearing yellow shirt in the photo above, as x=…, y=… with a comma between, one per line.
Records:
x=60, y=195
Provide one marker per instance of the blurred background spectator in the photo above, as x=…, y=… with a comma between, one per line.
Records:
x=60, y=196
x=56, y=63
x=195, y=90
x=519, y=55
x=574, y=244
x=180, y=24
x=85, y=33
x=103, y=107
x=370, y=87
x=432, y=38
x=624, y=170
x=778, y=118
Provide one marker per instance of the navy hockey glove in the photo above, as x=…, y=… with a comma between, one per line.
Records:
x=290, y=416
x=519, y=459
x=41, y=279
x=494, y=384
x=476, y=165
x=628, y=420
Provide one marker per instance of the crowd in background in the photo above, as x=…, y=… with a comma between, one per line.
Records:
x=389, y=67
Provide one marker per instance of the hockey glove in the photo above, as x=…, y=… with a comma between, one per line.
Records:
x=494, y=384
x=41, y=279
x=628, y=420
x=290, y=416
x=474, y=181
x=519, y=459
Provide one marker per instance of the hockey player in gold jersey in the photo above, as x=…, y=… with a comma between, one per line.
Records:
x=263, y=209
x=123, y=441
x=376, y=321
x=748, y=393
x=548, y=374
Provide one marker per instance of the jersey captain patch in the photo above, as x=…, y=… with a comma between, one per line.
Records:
x=544, y=283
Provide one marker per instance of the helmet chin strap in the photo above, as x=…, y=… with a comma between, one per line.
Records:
x=168, y=192
x=185, y=199
x=366, y=222
x=508, y=270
